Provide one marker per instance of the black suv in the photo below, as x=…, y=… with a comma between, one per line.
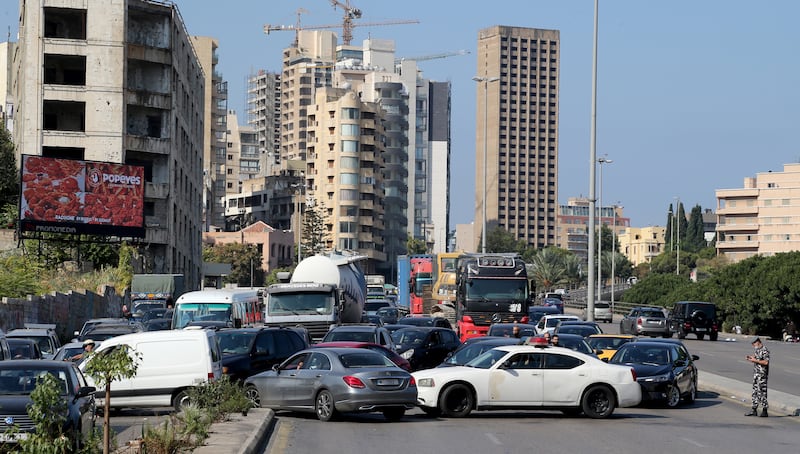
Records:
x=249, y=351
x=695, y=317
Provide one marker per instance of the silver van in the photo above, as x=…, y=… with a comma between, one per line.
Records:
x=602, y=312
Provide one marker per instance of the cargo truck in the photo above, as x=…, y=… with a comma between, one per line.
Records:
x=152, y=291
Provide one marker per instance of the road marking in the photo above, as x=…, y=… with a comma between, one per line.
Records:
x=692, y=442
x=494, y=439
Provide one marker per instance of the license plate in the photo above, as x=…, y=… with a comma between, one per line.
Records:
x=388, y=382
x=699, y=329
x=13, y=437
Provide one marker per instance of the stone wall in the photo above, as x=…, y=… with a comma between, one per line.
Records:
x=67, y=311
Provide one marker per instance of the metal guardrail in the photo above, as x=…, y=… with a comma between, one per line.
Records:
x=577, y=300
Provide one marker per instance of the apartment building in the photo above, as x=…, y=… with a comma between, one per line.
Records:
x=6, y=97
x=264, y=115
x=517, y=89
x=641, y=244
x=215, y=98
x=762, y=217
x=573, y=222
x=119, y=82
x=344, y=178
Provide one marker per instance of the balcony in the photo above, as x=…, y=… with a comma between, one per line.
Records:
x=738, y=227
x=147, y=53
x=148, y=99
x=737, y=245
x=147, y=144
x=156, y=190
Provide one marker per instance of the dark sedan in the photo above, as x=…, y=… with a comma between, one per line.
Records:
x=20, y=377
x=584, y=329
x=507, y=330
x=473, y=347
x=425, y=321
x=248, y=351
x=425, y=347
x=329, y=381
x=665, y=370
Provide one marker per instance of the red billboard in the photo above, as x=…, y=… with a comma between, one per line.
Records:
x=70, y=196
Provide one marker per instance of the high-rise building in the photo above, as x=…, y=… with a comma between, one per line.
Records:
x=573, y=224
x=762, y=217
x=120, y=82
x=517, y=124
x=6, y=97
x=215, y=98
x=263, y=114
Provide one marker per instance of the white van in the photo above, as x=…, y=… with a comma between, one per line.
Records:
x=171, y=362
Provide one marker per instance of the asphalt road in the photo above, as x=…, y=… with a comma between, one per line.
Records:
x=712, y=424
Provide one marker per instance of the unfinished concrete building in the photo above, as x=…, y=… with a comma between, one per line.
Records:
x=128, y=89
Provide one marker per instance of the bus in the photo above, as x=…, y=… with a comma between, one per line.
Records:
x=237, y=307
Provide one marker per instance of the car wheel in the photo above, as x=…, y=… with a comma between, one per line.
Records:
x=673, y=396
x=700, y=336
x=180, y=401
x=692, y=396
x=713, y=336
x=681, y=333
x=667, y=335
x=251, y=392
x=598, y=402
x=432, y=412
x=456, y=401
x=394, y=414
x=326, y=410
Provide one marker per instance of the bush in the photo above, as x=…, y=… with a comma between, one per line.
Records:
x=220, y=398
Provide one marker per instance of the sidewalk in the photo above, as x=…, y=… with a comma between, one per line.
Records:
x=779, y=402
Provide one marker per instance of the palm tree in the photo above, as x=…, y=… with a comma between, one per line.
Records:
x=547, y=269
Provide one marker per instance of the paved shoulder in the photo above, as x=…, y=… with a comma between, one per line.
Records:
x=240, y=434
x=785, y=403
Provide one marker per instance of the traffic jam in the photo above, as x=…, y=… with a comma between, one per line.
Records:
x=459, y=333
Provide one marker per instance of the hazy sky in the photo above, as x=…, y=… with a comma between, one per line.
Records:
x=693, y=95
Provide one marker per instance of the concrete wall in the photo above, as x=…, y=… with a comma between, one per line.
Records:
x=66, y=311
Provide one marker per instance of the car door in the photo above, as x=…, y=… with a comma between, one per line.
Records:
x=517, y=381
x=683, y=367
x=86, y=404
x=264, y=353
x=281, y=390
x=313, y=370
x=562, y=379
x=625, y=324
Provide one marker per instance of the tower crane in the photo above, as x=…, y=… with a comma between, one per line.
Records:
x=350, y=13
x=433, y=56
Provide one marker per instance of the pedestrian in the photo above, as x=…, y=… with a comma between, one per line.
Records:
x=760, y=362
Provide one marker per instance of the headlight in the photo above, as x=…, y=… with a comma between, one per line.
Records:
x=657, y=378
x=426, y=382
x=408, y=353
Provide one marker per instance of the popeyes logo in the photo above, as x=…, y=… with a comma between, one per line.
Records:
x=95, y=178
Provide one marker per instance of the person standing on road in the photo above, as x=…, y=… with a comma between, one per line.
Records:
x=760, y=362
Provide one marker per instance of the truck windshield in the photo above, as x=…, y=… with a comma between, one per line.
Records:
x=200, y=312
x=300, y=303
x=497, y=289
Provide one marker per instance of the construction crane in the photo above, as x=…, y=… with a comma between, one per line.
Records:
x=350, y=13
x=432, y=56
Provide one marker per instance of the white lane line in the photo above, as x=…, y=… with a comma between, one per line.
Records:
x=494, y=439
x=692, y=442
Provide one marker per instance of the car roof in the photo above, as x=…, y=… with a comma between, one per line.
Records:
x=562, y=316
x=346, y=344
x=506, y=325
x=35, y=364
x=536, y=348
x=355, y=328
x=661, y=341
x=24, y=332
x=616, y=336
x=579, y=322
x=499, y=340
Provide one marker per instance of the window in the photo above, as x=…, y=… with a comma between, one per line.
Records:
x=349, y=146
x=348, y=227
x=347, y=243
x=348, y=113
x=349, y=130
x=347, y=162
x=348, y=178
x=348, y=194
x=553, y=361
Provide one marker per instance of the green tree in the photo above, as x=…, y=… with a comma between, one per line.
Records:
x=125, y=265
x=695, y=231
x=501, y=240
x=547, y=269
x=243, y=259
x=9, y=173
x=20, y=276
x=106, y=367
x=315, y=234
x=416, y=246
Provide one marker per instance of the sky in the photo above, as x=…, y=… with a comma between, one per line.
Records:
x=692, y=96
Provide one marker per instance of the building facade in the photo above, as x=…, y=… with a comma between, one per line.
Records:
x=517, y=124
x=641, y=244
x=263, y=115
x=215, y=98
x=274, y=245
x=762, y=217
x=6, y=97
x=573, y=224
x=128, y=89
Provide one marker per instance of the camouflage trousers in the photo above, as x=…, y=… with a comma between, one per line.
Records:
x=760, y=391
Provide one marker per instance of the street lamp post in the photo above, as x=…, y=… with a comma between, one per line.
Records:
x=613, y=254
x=592, y=169
x=300, y=192
x=678, y=237
x=600, y=161
x=485, y=81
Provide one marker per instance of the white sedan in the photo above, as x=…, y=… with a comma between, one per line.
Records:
x=528, y=377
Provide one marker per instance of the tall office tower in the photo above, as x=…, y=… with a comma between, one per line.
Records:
x=517, y=124
x=6, y=98
x=243, y=159
x=438, y=198
x=344, y=177
x=264, y=115
x=120, y=82
x=215, y=128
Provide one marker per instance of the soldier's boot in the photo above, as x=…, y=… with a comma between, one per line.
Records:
x=764, y=413
x=752, y=412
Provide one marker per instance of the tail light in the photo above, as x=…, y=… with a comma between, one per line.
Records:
x=687, y=325
x=412, y=383
x=211, y=376
x=633, y=374
x=353, y=382
x=467, y=319
x=524, y=319
x=639, y=321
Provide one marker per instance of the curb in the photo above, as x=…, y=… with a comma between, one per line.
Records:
x=740, y=392
x=240, y=434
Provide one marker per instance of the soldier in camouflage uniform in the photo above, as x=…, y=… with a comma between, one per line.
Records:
x=760, y=362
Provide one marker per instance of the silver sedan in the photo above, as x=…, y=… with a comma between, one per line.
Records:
x=335, y=380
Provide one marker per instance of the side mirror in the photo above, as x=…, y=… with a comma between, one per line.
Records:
x=605, y=360
x=76, y=333
x=695, y=357
x=598, y=352
x=84, y=391
x=680, y=363
x=276, y=368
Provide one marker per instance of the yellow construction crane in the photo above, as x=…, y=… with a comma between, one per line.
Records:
x=433, y=56
x=347, y=24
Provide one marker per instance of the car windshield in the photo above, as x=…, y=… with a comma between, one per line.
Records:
x=577, y=344
x=23, y=380
x=366, y=359
x=486, y=359
x=607, y=343
x=235, y=342
x=576, y=329
x=356, y=336
x=466, y=354
x=408, y=336
x=640, y=354
x=552, y=322
x=417, y=321
x=374, y=305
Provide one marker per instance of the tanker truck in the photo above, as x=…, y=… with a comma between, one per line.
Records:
x=323, y=290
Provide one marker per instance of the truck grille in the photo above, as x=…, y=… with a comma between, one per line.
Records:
x=485, y=318
x=317, y=330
